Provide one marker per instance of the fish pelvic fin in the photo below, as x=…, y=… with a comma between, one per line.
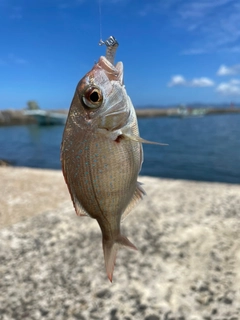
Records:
x=136, y=138
x=110, y=248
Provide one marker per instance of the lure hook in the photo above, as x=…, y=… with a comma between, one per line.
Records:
x=111, y=44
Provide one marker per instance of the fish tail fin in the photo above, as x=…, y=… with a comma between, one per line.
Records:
x=110, y=248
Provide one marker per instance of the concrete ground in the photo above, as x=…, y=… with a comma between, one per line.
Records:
x=51, y=261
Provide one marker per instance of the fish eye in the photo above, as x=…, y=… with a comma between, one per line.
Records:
x=92, y=97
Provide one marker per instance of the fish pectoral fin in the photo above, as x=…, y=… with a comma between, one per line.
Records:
x=80, y=211
x=113, y=135
x=137, y=196
x=136, y=138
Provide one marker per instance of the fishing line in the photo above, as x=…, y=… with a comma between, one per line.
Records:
x=100, y=20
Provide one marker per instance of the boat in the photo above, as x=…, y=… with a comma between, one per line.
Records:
x=188, y=112
x=44, y=117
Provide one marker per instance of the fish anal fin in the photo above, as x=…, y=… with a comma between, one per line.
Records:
x=137, y=196
x=80, y=211
x=110, y=249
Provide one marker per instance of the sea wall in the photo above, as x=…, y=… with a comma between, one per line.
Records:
x=17, y=117
x=14, y=117
x=52, y=267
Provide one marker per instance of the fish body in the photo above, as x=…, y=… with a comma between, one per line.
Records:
x=102, y=155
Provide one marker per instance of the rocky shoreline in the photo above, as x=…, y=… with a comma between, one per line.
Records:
x=186, y=266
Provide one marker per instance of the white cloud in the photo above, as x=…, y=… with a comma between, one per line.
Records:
x=193, y=51
x=201, y=82
x=214, y=25
x=65, y=4
x=230, y=88
x=116, y=1
x=233, y=49
x=225, y=71
x=16, y=13
x=69, y=4
x=12, y=59
x=179, y=80
x=235, y=81
x=195, y=9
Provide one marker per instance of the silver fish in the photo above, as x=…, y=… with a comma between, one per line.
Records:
x=102, y=155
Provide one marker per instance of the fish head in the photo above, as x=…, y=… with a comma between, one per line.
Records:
x=100, y=99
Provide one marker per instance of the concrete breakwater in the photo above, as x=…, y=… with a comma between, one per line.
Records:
x=14, y=117
x=17, y=117
x=184, y=112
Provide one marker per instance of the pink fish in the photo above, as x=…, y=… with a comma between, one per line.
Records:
x=102, y=154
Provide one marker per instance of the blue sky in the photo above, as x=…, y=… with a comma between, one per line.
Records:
x=174, y=51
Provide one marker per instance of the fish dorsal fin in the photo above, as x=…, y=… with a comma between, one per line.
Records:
x=80, y=211
x=138, y=195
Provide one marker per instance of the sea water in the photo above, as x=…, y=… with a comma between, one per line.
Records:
x=199, y=148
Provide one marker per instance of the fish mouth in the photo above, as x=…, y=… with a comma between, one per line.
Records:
x=113, y=72
x=107, y=65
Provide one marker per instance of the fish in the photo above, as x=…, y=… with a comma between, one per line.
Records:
x=102, y=155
